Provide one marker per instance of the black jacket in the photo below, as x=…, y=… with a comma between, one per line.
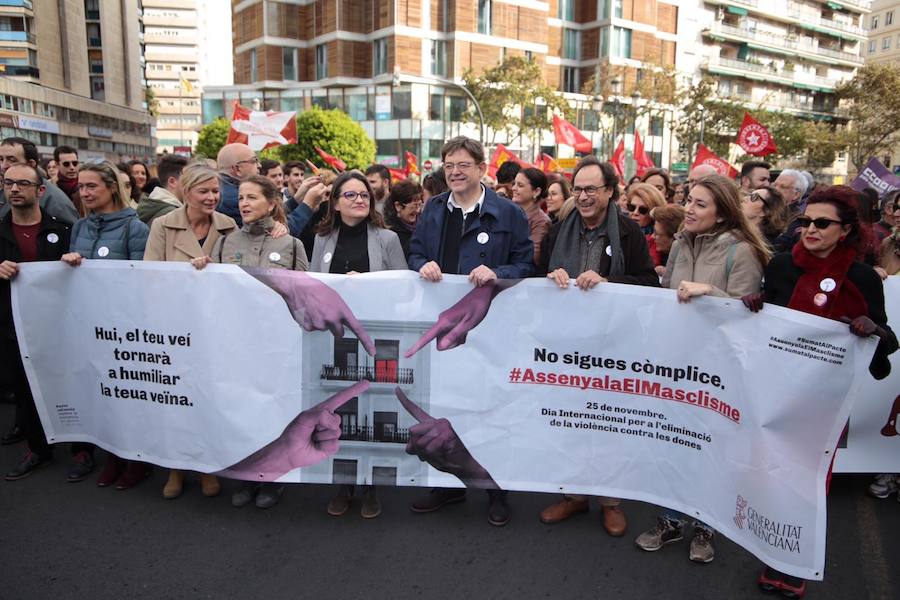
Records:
x=639, y=269
x=48, y=249
x=781, y=279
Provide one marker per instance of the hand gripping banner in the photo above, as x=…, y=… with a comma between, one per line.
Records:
x=729, y=416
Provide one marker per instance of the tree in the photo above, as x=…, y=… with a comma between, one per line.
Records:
x=212, y=137
x=871, y=104
x=823, y=141
x=514, y=97
x=334, y=132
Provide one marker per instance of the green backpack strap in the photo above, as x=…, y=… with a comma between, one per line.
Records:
x=729, y=259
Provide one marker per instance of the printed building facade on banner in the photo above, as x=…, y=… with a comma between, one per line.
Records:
x=374, y=426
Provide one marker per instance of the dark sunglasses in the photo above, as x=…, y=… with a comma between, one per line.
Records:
x=820, y=223
x=641, y=209
x=70, y=163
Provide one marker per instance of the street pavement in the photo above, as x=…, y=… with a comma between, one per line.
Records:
x=73, y=541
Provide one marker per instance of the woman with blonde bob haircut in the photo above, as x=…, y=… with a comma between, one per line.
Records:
x=191, y=231
x=716, y=253
x=186, y=233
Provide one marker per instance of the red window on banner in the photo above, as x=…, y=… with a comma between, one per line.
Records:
x=386, y=371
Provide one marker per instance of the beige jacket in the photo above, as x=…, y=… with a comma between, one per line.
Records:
x=172, y=239
x=729, y=265
x=253, y=246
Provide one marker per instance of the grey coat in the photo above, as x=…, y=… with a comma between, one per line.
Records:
x=254, y=246
x=385, y=251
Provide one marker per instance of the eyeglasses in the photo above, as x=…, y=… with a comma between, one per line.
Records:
x=352, y=196
x=641, y=209
x=70, y=163
x=590, y=190
x=820, y=223
x=463, y=166
x=249, y=160
x=22, y=183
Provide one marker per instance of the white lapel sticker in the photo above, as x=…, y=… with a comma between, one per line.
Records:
x=828, y=284
x=483, y=238
x=327, y=257
x=609, y=250
x=52, y=238
x=274, y=257
x=102, y=251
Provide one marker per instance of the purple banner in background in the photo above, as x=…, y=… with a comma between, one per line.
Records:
x=876, y=176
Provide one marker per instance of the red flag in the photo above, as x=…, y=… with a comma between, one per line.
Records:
x=333, y=161
x=705, y=156
x=547, y=164
x=754, y=138
x=618, y=160
x=397, y=174
x=261, y=130
x=501, y=155
x=412, y=163
x=644, y=163
x=568, y=134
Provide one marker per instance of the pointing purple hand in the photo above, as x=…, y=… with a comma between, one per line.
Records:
x=308, y=439
x=437, y=443
x=454, y=324
x=314, y=305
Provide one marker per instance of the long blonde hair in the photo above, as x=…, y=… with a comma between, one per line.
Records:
x=109, y=174
x=727, y=196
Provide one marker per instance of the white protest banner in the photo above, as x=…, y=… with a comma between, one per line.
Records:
x=872, y=443
x=728, y=416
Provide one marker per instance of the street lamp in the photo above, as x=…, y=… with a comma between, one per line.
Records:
x=702, y=110
x=614, y=98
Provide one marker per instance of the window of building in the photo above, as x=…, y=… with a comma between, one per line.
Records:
x=871, y=46
x=439, y=58
x=656, y=126
x=484, y=16
x=321, y=61
x=379, y=56
x=874, y=23
x=289, y=64
x=566, y=10
x=886, y=43
x=571, y=44
x=401, y=104
x=621, y=42
x=570, y=79
x=253, y=65
x=889, y=18
x=617, y=8
x=98, y=89
x=529, y=55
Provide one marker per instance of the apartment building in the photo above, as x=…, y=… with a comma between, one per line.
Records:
x=883, y=27
x=344, y=53
x=71, y=73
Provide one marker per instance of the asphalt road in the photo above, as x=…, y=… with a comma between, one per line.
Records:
x=62, y=540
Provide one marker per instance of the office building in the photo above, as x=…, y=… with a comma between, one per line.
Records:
x=71, y=73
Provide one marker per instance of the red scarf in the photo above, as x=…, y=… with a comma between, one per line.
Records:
x=824, y=289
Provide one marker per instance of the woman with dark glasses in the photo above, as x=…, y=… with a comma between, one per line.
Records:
x=640, y=200
x=822, y=275
x=766, y=209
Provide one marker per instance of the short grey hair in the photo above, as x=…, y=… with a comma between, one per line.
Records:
x=800, y=183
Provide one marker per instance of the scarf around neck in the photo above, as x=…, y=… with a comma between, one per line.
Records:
x=567, y=250
x=823, y=289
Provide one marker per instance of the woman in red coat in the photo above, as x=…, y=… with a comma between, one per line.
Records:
x=823, y=276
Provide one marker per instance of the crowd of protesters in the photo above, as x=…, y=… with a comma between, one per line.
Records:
x=755, y=239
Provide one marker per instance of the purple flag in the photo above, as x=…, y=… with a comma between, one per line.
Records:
x=876, y=176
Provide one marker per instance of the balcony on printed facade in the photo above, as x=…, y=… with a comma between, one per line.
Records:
x=389, y=435
x=385, y=373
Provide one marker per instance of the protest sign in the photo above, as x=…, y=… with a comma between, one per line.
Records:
x=728, y=416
